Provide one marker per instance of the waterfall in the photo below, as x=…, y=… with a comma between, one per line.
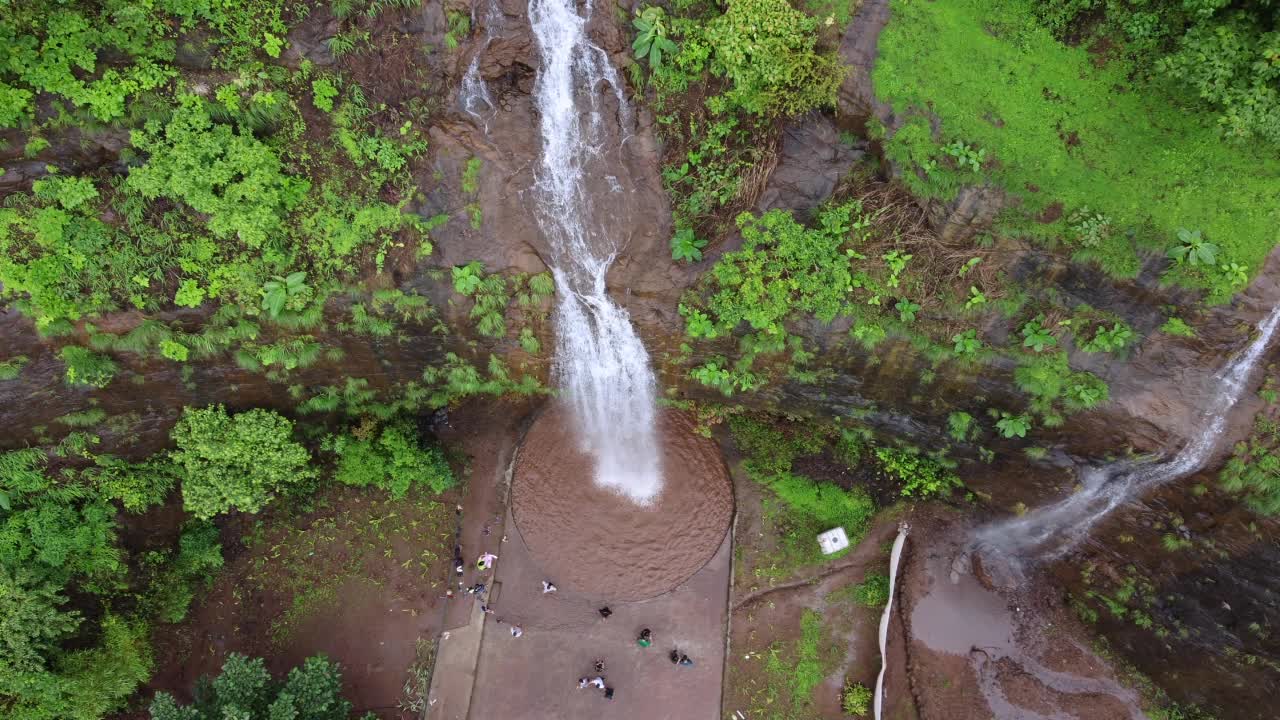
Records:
x=473, y=94
x=1050, y=531
x=600, y=362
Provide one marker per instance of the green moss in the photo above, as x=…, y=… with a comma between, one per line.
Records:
x=1060, y=129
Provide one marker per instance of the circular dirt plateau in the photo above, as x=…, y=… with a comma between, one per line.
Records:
x=595, y=541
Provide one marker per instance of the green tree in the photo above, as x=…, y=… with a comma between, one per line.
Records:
x=244, y=691
x=31, y=621
x=236, y=462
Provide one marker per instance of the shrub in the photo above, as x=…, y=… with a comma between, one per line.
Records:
x=323, y=91
x=390, y=458
x=236, y=462
x=236, y=180
x=856, y=700
x=1254, y=467
x=244, y=690
x=767, y=48
x=31, y=621
x=920, y=475
x=1177, y=326
x=178, y=576
x=1011, y=426
x=10, y=369
x=960, y=425
x=87, y=368
x=138, y=486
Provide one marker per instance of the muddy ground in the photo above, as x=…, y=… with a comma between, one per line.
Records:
x=360, y=577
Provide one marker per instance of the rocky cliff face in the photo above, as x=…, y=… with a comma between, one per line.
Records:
x=1221, y=593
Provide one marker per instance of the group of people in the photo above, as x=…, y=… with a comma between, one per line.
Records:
x=644, y=640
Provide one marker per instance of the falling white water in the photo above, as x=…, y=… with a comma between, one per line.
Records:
x=473, y=94
x=600, y=361
x=1049, y=532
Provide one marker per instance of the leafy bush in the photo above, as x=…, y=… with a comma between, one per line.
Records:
x=323, y=91
x=10, y=369
x=87, y=368
x=767, y=48
x=1179, y=327
x=1011, y=426
x=390, y=458
x=138, y=486
x=960, y=425
x=244, y=690
x=686, y=246
x=856, y=700
x=235, y=179
x=1037, y=336
x=238, y=462
x=651, y=37
x=1118, y=337
x=1193, y=249
x=920, y=475
x=1254, y=467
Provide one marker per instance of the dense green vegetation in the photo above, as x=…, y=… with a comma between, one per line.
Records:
x=59, y=537
x=246, y=691
x=719, y=77
x=1126, y=163
x=1253, y=470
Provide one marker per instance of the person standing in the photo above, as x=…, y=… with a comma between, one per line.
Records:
x=645, y=639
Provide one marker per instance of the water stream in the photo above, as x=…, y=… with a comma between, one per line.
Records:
x=1050, y=531
x=600, y=363
x=473, y=94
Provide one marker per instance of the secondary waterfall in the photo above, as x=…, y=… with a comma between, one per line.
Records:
x=473, y=94
x=600, y=362
x=1049, y=532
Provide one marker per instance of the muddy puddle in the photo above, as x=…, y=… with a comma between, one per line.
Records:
x=1026, y=660
x=594, y=541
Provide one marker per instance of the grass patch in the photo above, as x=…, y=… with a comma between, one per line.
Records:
x=793, y=672
x=872, y=592
x=1058, y=129
x=797, y=508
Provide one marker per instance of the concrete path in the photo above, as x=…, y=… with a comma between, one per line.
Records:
x=483, y=673
x=534, y=677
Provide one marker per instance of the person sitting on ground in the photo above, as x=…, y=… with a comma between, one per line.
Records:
x=476, y=589
x=457, y=558
x=608, y=693
x=486, y=561
x=599, y=665
x=685, y=661
x=605, y=613
x=548, y=587
x=583, y=683
x=598, y=681
x=645, y=639
x=675, y=657
x=516, y=631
